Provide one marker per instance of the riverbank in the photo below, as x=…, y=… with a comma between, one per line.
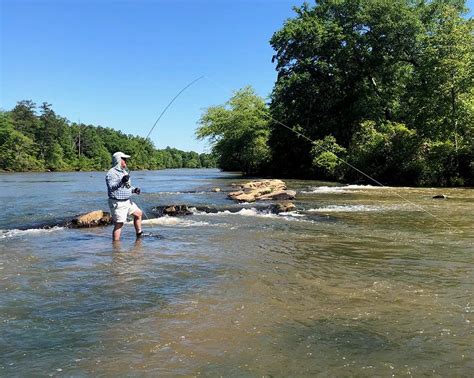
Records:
x=243, y=177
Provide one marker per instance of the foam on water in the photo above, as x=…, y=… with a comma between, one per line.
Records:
x=173, y=221
x=30, y=231
x=253, y=212
x=341, y=189
x=294, y=214
x=177, y=193
x=246, y=212
x=355, y=208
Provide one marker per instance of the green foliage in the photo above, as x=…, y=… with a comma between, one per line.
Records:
x=238, y=132
x=17, y=151
x=387, y=151
x=383, y=78
x=326, y=158
x=24, y=118
x=442, y=163
x=47, y=141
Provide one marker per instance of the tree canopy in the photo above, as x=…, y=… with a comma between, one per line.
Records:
x=404, y=67
x=46, y=141
x=238, y=132
x=387, y=86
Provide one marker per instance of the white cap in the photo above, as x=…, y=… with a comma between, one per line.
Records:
x=121, y=155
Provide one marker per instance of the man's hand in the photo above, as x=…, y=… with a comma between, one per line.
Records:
x=136, y=190
x=125, y=179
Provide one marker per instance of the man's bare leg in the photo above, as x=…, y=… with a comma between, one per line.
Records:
x=137, y=221
x=117, y=231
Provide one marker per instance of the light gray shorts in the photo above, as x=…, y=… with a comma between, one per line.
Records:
x=120, y=210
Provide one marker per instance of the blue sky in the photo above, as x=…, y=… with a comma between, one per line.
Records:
x=118, y=63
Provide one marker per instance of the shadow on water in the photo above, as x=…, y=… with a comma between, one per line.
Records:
x=354, y=339
x=321, y=346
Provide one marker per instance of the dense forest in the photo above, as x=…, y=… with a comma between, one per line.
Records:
x=46, y=141
x=386, y=87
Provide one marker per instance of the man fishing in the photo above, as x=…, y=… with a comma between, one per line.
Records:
x=120, y=190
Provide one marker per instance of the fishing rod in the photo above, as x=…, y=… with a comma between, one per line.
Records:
x=173, y=99
x=304, y=137
x=343, y=161
x=163, y=112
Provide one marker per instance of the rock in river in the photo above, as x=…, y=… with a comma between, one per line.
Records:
x=172, y=210
x=262, y=190
x=283, y=207
x=91, y=219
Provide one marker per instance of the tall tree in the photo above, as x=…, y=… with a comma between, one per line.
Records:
x=24, y=118
x=238, y=132
x=341, y=63
x=17, y=151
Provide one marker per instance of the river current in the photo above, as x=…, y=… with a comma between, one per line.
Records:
x=356, y=282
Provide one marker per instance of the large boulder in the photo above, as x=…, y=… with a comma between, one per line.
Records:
x=244, y=197
x=262, y=189
x=91, y=219
x=263, y=184
x=278, y=195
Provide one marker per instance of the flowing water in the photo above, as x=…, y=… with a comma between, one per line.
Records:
x=356, y=282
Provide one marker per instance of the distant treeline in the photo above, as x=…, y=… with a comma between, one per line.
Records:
x=32, y=141
x=386, y=86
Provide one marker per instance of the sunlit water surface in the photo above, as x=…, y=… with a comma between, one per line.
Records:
x=357, y=282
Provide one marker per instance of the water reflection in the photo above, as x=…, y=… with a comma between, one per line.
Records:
x=118, y=247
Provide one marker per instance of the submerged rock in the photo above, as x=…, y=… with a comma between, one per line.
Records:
x=172, y=210
x=440, y=196
x=283, y=207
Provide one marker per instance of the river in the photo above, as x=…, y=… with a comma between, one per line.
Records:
x=357, y=282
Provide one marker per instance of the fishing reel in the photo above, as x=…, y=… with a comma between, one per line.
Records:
x=126, y=181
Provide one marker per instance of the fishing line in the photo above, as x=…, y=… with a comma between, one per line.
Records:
x=163, y=112
x=174, y=98
x=345, y=162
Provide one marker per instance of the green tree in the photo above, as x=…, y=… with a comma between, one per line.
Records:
x=439, y=97
x=338, y=63
x=327, y=158
x=51, y=136
x=191, y=160
x=388, y=151
x=238, y=132
x=48, y=141
x=24, y=118
x=17, y=151
x=208, y=160
x=341, y=63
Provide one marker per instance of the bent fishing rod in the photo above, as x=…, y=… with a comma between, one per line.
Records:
x=163, y=112
x=301, y=135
